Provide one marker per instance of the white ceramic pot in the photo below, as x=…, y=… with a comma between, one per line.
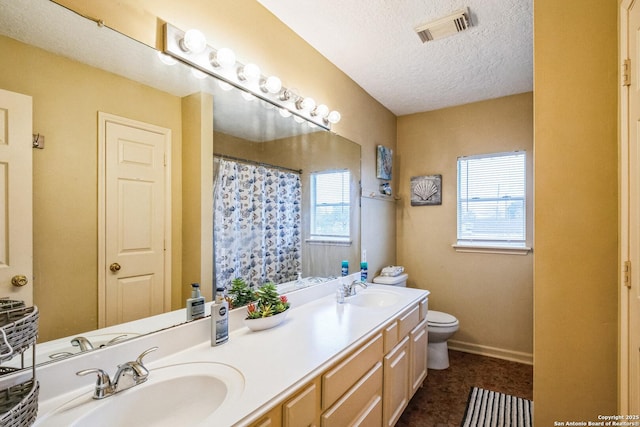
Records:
x=262, y=323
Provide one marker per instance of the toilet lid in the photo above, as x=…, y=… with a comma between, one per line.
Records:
x=440, y=318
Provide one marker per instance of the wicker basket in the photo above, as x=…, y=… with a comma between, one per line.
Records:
x=18, y=331
x=10, y=304
x=19, y=404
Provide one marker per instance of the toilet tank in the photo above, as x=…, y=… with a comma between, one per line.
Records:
x=399, y=280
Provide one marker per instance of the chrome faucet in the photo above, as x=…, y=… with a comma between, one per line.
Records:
x=114, y=340
x=128, y=375
x=350, y=290
x=83, y=343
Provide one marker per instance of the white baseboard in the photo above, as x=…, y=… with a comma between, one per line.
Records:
x=499, y=353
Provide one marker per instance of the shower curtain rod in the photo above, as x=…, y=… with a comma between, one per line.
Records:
x=253, y=162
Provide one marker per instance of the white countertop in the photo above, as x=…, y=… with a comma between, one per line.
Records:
x=274, y=363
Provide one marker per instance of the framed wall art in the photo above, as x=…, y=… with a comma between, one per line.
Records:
x=426, y=190
x=384, y=162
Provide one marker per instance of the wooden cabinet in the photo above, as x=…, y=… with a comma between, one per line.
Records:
x=418, y=355
x=396, y=382
x=405, y=365
x=370, y=387
x=302, y=409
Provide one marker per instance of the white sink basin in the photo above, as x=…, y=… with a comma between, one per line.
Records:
x=374, y=298
x=175, y=395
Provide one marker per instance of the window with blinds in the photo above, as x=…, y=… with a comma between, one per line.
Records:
x=492, y=199
x=330, y=205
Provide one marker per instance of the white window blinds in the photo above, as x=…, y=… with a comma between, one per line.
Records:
x=491, y=199
x=330, y=209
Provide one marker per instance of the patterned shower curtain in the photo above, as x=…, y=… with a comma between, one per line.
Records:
x=257, y=220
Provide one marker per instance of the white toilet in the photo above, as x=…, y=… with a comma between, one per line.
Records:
x=440, y=326
x=399, y=280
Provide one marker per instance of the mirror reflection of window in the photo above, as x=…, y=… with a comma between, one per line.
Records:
x=330, y=205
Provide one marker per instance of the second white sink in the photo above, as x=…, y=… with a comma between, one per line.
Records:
x=374, y=298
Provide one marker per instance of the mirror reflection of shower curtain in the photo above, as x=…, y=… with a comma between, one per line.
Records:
x=257, y=224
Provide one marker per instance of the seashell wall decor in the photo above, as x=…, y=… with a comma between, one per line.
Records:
x=426, y=190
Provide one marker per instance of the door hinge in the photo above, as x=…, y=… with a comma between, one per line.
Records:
x=626, y=72
x=626, y=274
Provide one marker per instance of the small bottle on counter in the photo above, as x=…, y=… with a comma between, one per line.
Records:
x=219, y=319
x=195, y=304
x=364, y=272
x=345, y=268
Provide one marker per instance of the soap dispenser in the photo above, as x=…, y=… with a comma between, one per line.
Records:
x=219, y=319
x=195, y=304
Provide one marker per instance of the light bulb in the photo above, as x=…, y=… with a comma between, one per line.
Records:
x=298, y=119
x=284, y=112
x=194, y=42
x=249, y=72
x=334, y=117
x=272, y=85
x=224, y=85
x=166, y=59
x=248, y=96
x=198, y=74
x=321, y=111
x=305, y=104
x=223, y=58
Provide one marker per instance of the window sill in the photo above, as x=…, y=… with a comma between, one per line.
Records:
x=488, y=249
x=329, y=242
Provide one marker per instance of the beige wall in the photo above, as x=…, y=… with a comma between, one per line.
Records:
x=277, y=50
x=490, y=294
x=66, y=101
x=576, y=201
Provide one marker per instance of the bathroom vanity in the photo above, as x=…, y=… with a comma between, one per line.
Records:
x=327, y=364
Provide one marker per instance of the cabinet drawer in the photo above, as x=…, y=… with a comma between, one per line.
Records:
x=339, y=379
x=372, y=415
x=390, y=334
x=360, y=403
x=408, y=320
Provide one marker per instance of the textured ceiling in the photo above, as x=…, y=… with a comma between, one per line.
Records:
x=374, y=43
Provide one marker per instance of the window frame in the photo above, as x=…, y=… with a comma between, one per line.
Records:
x=496, y=244
x=319, y=238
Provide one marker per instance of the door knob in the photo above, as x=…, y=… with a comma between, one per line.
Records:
x=19, y=280
x=115, y=267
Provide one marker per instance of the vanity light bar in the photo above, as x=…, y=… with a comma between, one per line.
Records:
x=190, y=47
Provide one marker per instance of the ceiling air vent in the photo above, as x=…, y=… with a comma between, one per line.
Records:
x=443, y=27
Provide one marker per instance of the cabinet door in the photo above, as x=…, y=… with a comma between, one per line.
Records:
x=418, y=352
x=396, y=382
x=270, y=419
x=301, y=410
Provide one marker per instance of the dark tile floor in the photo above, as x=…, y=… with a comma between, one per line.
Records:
x=443, y=398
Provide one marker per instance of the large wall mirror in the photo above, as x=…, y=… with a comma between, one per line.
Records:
x=74, y=69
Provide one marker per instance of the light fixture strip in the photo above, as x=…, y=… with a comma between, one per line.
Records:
x=172, y=46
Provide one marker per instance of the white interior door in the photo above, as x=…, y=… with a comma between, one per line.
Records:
x=16, y=186
x=630, y=211
x=136, y=220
